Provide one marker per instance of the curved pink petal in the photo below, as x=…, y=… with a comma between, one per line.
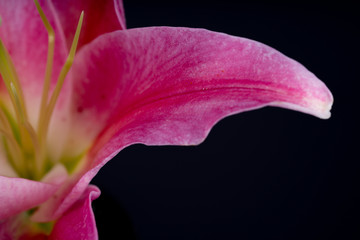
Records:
x=64, y=198
x=170, y=86
x=27, y=193
x=78, y=222
x=99, y=17
x=120, y=12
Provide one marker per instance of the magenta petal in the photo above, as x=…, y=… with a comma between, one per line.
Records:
x=64, y=198
x=119, y=8
x=161, y=86
x=78, y=222
x=18, y=195
x=171, y=85
x=99, y=17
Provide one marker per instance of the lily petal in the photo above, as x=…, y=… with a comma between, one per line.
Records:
x=164, y=86
x=171, y=85
x=79, y=221
x=100, y=17
x=28, y=194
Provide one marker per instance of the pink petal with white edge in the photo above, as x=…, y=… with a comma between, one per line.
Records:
x=67, y=195
x=18, y=195
x=169, y=86
x=120, y=12
x=78, y=222
x=99, y=17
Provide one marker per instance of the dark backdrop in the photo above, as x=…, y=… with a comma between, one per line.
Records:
x=265, y=174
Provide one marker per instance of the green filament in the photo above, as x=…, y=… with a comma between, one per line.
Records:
x=25, y=147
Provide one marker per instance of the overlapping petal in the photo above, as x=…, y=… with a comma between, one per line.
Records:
x=100, y=17
x=156, y=86
x=171, y=85
x=161, y=86
x=18, y=195
x=78, y=222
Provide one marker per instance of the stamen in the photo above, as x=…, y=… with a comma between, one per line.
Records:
x=66, y=67
x=17, y=100
x=16, y=159
x=49, y=63
x=35, y=159
x=7, y=70
x=26, y=149
x=4, y=120
x=29, y=140
x=69, y=61
x=7, y=76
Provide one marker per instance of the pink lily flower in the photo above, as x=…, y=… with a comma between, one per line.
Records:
x=61, y=122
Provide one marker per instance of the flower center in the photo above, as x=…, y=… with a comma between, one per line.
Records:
x=25, y=146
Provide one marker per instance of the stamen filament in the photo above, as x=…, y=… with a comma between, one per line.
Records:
x=49, y=63
x=26, y=148
x=45, y=121
x=16, y=160
x=4, y=121
x=15, y=150
x=18, y=88
x=7, y=76
x=17, y=101
x=7, y=70
x=12, y=85
x=36, y=159
x=29, y=140
x=66, y=68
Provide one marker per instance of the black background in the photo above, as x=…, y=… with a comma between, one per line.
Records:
x=265, y=174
